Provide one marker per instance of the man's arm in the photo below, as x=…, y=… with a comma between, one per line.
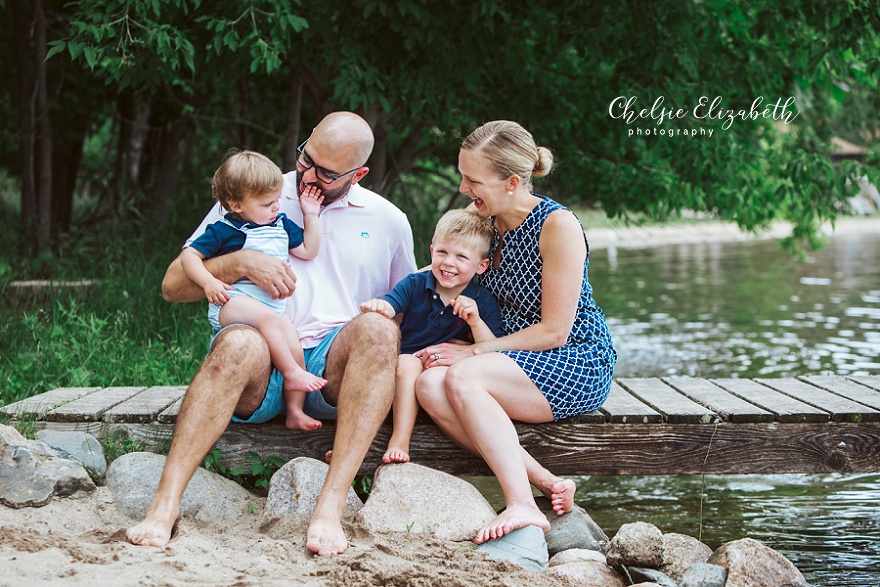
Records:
x=271, y=274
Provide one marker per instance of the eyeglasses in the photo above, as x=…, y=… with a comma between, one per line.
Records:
x=323, y=175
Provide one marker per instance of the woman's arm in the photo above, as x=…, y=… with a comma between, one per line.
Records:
x=564, y=252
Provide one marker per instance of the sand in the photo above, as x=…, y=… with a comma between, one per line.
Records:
x=81, y=541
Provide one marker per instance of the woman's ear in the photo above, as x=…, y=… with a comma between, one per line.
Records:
x=513, y=182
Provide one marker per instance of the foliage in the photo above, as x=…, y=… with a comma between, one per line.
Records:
x=118, y=444
x=254, y=476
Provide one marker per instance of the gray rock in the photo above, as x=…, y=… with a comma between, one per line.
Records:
x=134, y=477
x=577, y=555
x=590, y=573
x=644, y=575
x=80, y=446
x=31, y=472
x=751, y=564
x=576, y=529
x=294, y=489
x=636, y=545
x=680, y=552
x=647, y=584
x=525, y=546
x=412, y=498
x=704, y=575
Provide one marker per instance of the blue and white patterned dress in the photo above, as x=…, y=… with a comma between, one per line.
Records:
x=576, y=377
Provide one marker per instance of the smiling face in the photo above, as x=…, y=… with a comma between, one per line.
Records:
x=454, y=263
x=257, y=209
x=481, y=183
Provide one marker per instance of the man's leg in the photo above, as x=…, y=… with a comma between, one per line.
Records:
x=360, y=372
x=232, y=379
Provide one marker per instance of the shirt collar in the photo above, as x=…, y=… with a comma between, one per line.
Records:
x=431, y=284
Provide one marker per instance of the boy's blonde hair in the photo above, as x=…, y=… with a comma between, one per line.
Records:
x=467, y=228
x=244, y=174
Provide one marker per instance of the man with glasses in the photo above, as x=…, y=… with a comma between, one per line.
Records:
x=366, y=248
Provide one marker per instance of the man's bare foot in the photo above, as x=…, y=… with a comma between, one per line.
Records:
x=155, y=530
x=395, y=455
x=562, y=496
x=325, y=536
x=302, y=380
x=510, y=519
x=298, y=420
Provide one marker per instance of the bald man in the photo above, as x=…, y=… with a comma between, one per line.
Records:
x=366, y=249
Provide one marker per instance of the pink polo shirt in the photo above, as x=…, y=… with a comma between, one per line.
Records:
x=366, y=248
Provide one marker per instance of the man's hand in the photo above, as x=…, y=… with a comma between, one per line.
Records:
x=379, y=306
x=274, y=276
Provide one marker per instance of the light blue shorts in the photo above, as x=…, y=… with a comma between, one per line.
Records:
x=315, y=405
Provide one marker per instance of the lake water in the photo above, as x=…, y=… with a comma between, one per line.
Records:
x=748, y=309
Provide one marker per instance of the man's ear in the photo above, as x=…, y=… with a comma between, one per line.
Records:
x=484, y=264
x=359, y=174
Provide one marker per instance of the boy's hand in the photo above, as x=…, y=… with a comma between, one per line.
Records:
x=466, y=309
x=378, y=306
x=216, y=290
x=310, y=201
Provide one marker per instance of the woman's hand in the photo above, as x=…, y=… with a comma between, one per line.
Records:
x=444, y=354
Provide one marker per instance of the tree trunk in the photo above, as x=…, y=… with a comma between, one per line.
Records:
x=21, y=40
x=168, y=173
x=243, y=108
x=44, y=133
x=291, y=138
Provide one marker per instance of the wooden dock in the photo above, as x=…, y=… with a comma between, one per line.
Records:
x=675, y=425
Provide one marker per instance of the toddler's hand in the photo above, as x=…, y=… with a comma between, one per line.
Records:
x=378, y=306
x=310, y=201
x=216, y=292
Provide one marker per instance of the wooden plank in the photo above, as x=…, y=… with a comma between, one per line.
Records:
x=841, y=408
x=608, y=449
x=169, y=414
x=872, y=381
x=91, y=407
x=846, y=388
x=39, y=405
x=621, y=407
x=145, y=406
x=676, y=408
x=783, y=407
x=730, y=407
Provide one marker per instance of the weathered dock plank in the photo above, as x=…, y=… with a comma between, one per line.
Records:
x=846, y=388
x=91, y=407
x=676, y=408
x=145, y=406
x=840, y=408
x=39, y=405
x=784, y=408
x=730, y=407
x=622, y=407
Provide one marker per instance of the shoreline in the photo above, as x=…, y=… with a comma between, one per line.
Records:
x=713, y=231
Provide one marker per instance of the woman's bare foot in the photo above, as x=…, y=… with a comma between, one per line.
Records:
x=298, y=420
x=302, y=380
x=395, y=455
x=155, y=530
x=510, y=519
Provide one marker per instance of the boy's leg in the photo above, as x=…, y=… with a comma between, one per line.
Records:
x=360, y=372
x=405, y=409
x=232, y=379
x=245, y=310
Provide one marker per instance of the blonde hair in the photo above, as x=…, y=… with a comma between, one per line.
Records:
x=245, y=174
x=467, y=228
x=511, y=150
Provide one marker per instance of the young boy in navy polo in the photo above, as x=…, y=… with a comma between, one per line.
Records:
x=436, y=306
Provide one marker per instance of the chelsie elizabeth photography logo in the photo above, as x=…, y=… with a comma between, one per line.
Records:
x=639, y=119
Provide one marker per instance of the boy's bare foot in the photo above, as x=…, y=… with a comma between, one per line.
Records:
x=510, y=519
x=298, y=420
x=395, y=455
x=155, y=530
x=302, y=380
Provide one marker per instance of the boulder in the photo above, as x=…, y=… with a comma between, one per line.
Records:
x=751, y=564
x=704, y=575
x=576, y=529
x=638, y=544
x=411, y=498
x=294, y=488
x=577, y=555
x=593, y=574
x=649, y=576
x=134, y=477
x=31, y=472
x=680, y=551
x=79, y=446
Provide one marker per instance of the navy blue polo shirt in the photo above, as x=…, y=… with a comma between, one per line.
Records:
x=426, y=320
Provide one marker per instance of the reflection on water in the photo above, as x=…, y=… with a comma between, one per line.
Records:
x=743, y=309
x=748, y=309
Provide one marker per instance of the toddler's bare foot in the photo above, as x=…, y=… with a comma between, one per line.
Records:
x=395, y=455
x=302, y=380
x=510, y=519
x=298, y=420
x=328, y=456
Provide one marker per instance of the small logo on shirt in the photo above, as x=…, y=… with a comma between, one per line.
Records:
x=365, y=234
